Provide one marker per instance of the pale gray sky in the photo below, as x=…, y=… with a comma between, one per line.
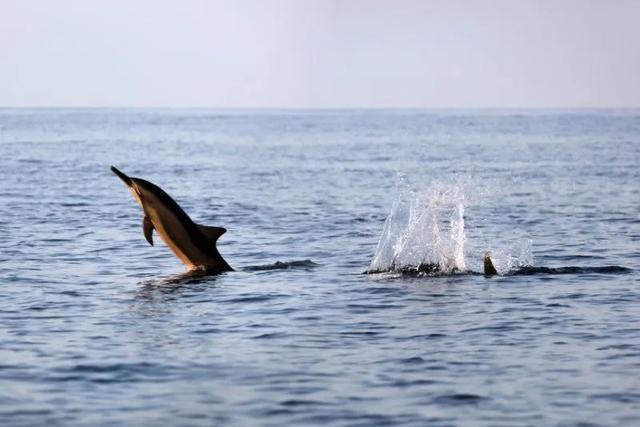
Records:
x=320, y=53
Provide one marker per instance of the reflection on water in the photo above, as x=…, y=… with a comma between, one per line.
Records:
x=173, y=286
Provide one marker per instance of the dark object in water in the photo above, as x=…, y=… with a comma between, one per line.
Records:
x=433, y=269
x=423, y=269
x=489, y=268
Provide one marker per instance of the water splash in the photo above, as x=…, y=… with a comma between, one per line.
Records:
x=425, y=228
x=516, y=256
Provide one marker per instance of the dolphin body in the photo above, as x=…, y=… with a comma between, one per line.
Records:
x=193, y=244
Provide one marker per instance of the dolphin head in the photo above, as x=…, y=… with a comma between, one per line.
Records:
x=131, y=183
x=122, y=176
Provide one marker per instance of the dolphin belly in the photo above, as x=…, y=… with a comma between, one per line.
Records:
x=178, y=237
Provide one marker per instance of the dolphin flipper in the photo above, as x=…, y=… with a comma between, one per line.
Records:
x=147, y=228
x=212, y=233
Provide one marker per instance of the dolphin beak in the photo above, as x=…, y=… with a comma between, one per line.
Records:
x=122, y=176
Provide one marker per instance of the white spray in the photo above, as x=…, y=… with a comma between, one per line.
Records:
x=424, y=227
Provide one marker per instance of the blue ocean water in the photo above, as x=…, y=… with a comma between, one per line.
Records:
x=99, y=328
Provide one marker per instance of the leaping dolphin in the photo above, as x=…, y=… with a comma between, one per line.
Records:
x=193, y=244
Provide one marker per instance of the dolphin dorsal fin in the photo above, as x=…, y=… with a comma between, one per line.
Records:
x=489, y=268
x=212, y=233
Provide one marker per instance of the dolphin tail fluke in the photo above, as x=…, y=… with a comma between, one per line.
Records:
x=489, y=268
x=121, y=175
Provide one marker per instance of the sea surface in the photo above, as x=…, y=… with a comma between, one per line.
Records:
x=99, y=328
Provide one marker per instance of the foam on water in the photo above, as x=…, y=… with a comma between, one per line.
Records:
x=514, y=257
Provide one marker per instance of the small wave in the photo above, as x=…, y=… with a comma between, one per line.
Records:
x=279, y=265
x=459, y=399
x=530, y=270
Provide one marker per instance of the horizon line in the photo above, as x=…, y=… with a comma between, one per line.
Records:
x=321, y=108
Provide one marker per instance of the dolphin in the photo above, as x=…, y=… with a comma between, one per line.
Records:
x=193, y=244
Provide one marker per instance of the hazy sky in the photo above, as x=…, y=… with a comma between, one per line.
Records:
x=317, y=54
